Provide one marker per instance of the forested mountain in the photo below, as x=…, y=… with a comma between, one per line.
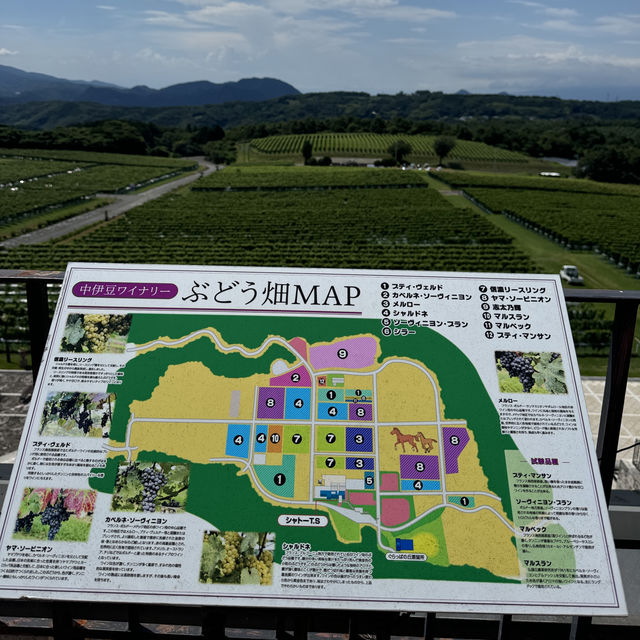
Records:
x=20, y=87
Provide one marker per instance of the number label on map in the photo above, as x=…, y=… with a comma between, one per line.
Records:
x=454, y=440
x=332, y=411
x=295, y=377
x=360, y=412
x=358, y=438
x=275, y=438
x=331, y=394
x=270, y=402
x=343, y=354
x=238, y=440
x=298, y=403
x=279, y=479
x=261, y=437
x=296, y=438
x=417, y=485
x=420, y=466
x=358, y=463
x=330, y=438
x=330, y=462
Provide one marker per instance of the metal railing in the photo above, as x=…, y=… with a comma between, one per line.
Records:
x=94, y=620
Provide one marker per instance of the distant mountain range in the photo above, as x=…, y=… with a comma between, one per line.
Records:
x=19, y=87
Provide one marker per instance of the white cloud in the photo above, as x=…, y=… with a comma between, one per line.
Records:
x=560, y=13
x=557, y=12
x=105, y=7
x=524, y=3
x=377, y=9
x=7, y=52
x=561, y=25
x=164, y=19
x=150, y=55
x=621, y=25
x=522, y=64
x=231, y=14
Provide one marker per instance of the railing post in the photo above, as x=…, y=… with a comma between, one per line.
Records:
x=39, y=321
x=615, y=389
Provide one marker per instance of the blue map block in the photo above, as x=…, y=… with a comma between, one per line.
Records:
x=359, y=439
x=365, y=463
x=237, y=444
x=297, y=404
x=262, y=434
x=333, y=411
x=424, y=485
x=403, y=544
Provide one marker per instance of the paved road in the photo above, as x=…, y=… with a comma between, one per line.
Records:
x=122, y=204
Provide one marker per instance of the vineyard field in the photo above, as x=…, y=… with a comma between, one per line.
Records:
x=387, y=229
x=308, y=177
x=464, y=179
x=372, y=145
x=607, y=223
x=93, y=157
x=30, y=195
x=19, y=171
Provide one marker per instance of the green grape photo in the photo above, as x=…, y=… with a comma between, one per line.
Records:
x=236, y=557
x=55, y=514
x=96, y=333
x=151, y=487
x=530, y=372
x=76, y=413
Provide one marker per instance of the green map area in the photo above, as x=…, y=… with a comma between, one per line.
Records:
x=393, y=440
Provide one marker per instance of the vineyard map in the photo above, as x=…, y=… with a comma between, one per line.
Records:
x=242, y=437
x=327, y=426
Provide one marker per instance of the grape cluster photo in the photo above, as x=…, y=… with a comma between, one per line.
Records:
x=151, y=487
x=530, y=372
x=235, y=557
x=76, y=413
x=96, y=333
x=55, y=514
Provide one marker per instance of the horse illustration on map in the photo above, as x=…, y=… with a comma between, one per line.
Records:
x=402, y=438
x=427, y=443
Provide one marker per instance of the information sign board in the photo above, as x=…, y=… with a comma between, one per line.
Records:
x=314, y=438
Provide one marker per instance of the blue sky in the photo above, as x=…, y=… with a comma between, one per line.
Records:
x=587, y=49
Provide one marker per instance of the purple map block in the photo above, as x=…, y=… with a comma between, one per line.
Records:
x=270, y=403
x=359, y=411
x=419, y=467
x=299, y=377
x=455, y=440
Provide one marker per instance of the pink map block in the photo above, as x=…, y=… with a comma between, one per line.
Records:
x=300, y=345
x=389, y=482
x=395, y=511
x=364, y=498
x=353, y=353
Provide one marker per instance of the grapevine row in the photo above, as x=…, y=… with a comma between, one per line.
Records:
x=376, y=145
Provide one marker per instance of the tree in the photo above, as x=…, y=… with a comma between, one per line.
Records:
x=610, y=164
x=443, y=147
x=307, y=150
x=399, y=149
